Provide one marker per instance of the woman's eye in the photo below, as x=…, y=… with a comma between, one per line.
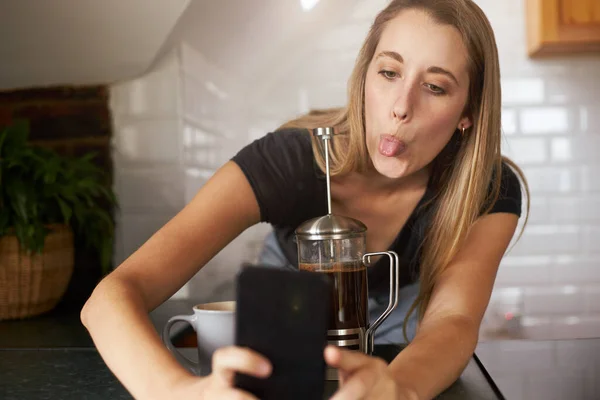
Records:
x=388, y=74
x=435, y=89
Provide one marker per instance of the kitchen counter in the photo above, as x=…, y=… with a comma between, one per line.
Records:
x=80, y=374
x=62, y=327
x=57, y=374
x=52, y=357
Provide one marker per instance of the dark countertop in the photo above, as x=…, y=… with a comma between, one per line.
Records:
x=57, y=374
x=62, y=327
x=80, y=373
x=53, y=357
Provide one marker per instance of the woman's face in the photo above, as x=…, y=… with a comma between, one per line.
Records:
x=416, y=89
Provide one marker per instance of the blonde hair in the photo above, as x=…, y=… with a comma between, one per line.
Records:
x=462, y=172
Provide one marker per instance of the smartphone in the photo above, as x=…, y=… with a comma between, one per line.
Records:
x=283, y=315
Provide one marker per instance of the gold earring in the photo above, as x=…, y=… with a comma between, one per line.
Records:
x=463, y=131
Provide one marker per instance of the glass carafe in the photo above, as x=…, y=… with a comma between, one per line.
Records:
x=336, y=246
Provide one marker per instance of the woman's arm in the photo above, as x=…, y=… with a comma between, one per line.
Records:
x=116, y=315
x=448, y=334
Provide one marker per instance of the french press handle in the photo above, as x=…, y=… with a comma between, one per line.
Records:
x=394, y=295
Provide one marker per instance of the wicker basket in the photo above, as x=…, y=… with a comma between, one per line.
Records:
x=32, y=285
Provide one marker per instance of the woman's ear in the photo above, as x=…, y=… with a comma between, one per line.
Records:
x=465, y=122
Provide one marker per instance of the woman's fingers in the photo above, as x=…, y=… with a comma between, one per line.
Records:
x=229, y=360
x=358, y=372
x=356, y=386
x=236, y=394
x=346, y=360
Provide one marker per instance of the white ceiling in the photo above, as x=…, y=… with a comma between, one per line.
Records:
x=250, y=38
x=103, y=41
x=52, y=42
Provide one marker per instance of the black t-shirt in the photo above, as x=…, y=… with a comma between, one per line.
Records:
x=290, y=189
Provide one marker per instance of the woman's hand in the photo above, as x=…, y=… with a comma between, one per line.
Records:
x=226, y=362
x=364, y=377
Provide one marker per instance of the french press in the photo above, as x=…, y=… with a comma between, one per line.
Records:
x=336, y=246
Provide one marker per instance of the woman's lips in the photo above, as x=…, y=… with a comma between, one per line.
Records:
x=391, y=146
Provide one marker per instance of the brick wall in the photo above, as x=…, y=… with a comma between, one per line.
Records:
x=72, y=121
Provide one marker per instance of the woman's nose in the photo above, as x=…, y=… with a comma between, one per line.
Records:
x=404, y=104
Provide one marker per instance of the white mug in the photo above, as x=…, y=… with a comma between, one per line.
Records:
x=214, y=324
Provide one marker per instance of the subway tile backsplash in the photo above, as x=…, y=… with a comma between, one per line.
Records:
x=551, y=300
x=537, y=120
x=522, y=91
x=177, y=124
x=148, y=140
x=548, y=179
x=526, y=151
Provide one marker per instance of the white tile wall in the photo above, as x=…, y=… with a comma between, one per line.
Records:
x=536, y=120
x=173, y=129
x=522, y=91
x=549, y=180
x=529, y=270
x=592, y=299
x=525, y=151
x=191, y=115
x=509, y=121
x=590, y=177
x=148, y=140
x=549, y=239
x=142, y=189
x=576, y=270
x=528, y=370
x=152, y=95
x=567, y=299
x=556, y=139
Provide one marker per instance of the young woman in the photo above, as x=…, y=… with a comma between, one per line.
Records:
x=417, y=160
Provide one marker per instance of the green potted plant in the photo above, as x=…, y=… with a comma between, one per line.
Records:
x=44, y=199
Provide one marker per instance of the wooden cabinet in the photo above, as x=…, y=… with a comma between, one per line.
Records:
x=562, y=27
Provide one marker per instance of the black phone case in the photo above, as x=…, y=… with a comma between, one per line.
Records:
x=283, y=315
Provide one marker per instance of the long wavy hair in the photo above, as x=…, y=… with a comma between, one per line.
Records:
x=462, y=172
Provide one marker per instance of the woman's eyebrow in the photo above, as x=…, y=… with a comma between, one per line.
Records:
x=391, y=54
x=440, y=70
